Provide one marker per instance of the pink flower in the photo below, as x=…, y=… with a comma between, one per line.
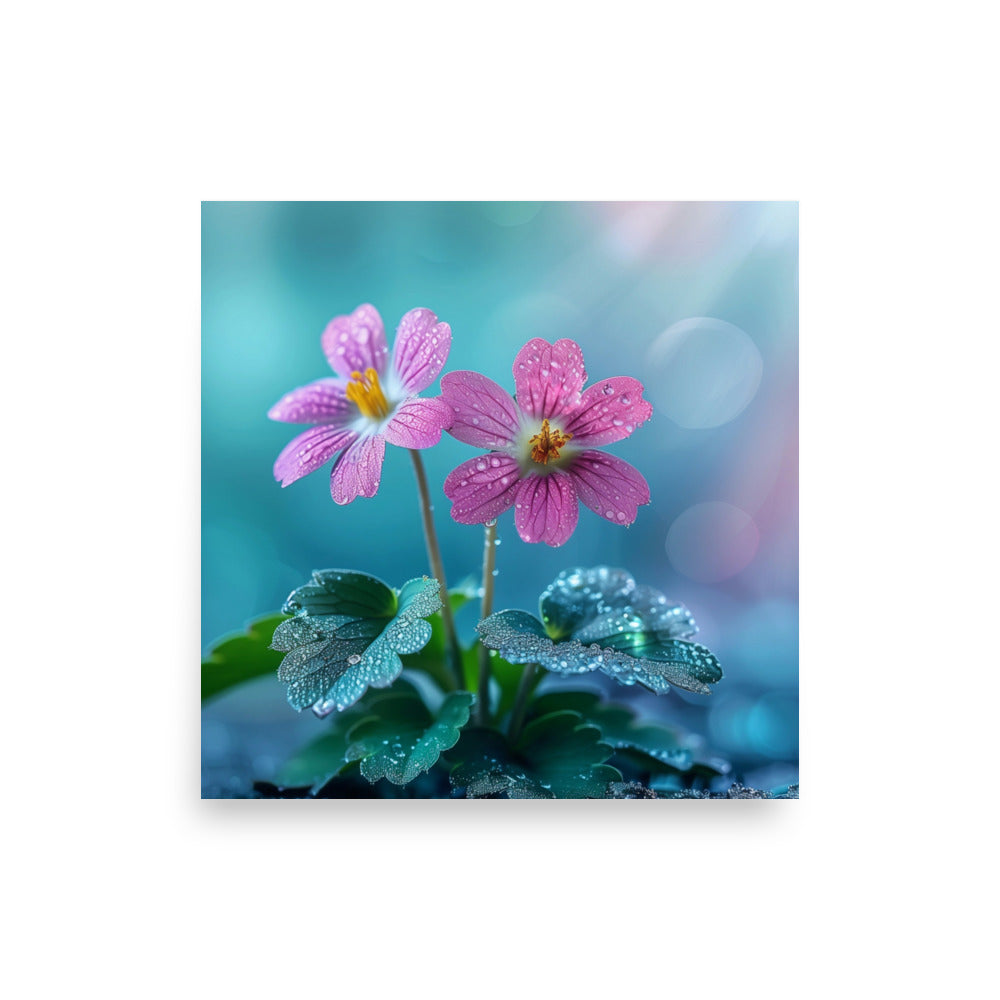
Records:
x=543, y=458
x=373, y=400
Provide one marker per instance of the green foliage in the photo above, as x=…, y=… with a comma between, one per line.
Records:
x=646, y=747
x=433, y=658
x=342, y=592
x=600, y=619
x=400, y=738
x=236, y=659
x=350, y=636
x=556, y=756
x=334, y=656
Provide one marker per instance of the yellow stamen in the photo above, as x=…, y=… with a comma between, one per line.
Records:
x=366, y=393
x=546, y=443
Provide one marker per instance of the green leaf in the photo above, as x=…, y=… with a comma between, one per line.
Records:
x=556, y=756
x=433, y=658
x=688, y=665
x=334, y=657
x=592, y=604
x=600, y=619
x=342, y=592
x=649, y=746
x=238, y=658
x=400, y=739
x=657, y=748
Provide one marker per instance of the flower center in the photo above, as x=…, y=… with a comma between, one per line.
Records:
x=546, y=443
x=366, y=393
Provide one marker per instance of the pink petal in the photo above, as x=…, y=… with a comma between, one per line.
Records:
x=321, y=402
x=482, y=488
x=356, y=342
x=609, y=411
x=485, y=415
x=546, y=509
x=421, y=349
x=608, y=486
x=307, y=452
x=359, y=470
x=548, y=377
x=418, y=423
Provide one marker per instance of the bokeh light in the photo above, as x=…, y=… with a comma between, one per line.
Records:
x=703, y=372
x=712, y=541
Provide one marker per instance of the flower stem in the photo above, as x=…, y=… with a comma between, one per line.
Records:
x=521, y=702
x=489, y=564
x=437, y=568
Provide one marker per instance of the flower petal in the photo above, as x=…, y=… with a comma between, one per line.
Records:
x=548, y=377
x=418, y=423
x=485, y=415
x=320, y=402
x=356, y=342
x=546, y=509
x=609, y=410
x=359, y=470
x=609, y=486
x=421, y=349
x=307, y=452
x=482, y=488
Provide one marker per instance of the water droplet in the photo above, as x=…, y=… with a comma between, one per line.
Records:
x=353, y=659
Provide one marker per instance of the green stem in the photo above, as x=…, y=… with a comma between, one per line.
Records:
x=489, y=565
x=521, y=702
x=437, y=568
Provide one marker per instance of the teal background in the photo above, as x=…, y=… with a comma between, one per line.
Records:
x=612, y=276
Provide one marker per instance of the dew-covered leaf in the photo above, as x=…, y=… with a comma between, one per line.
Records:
x=592, y=604
x=433, y=658
x=342, y=592
x=684, y=660
x=486, y=766
x=400, y=739
x=295, y=632
x=600, y=619
x=515, y=635
x=419, y=598
x=556, y=756
x=332, y=659
x=235, y=659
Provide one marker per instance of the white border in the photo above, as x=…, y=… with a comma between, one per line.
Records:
x=121, y=120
